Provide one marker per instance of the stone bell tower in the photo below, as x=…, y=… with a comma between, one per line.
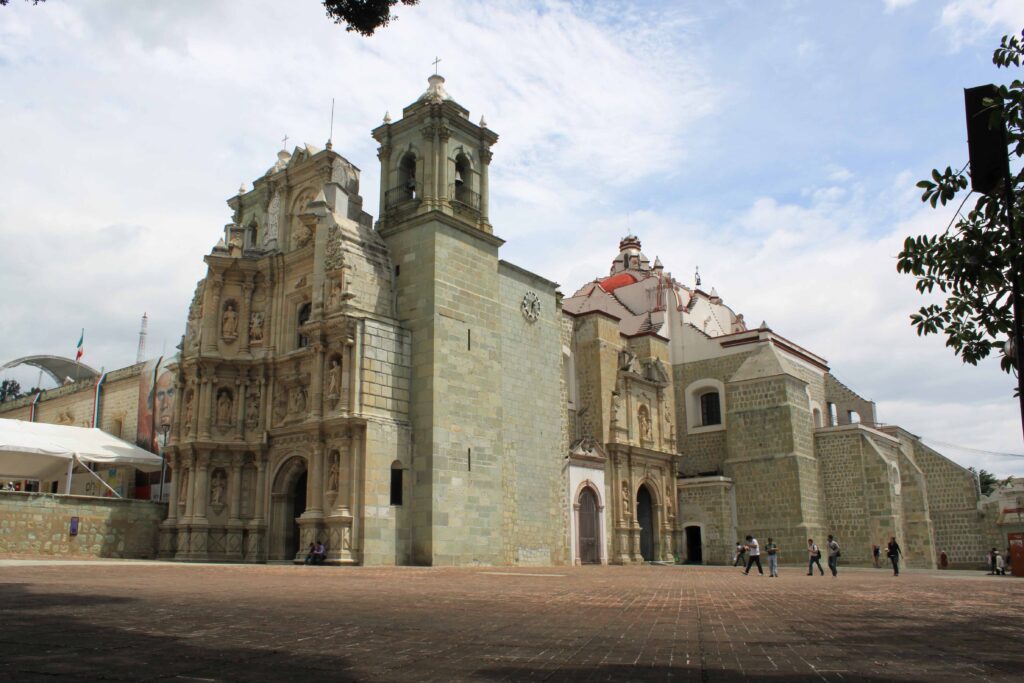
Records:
x=433, y=217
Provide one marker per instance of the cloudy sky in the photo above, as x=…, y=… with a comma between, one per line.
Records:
x=773, y=144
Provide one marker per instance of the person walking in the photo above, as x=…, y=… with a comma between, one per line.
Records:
x=813, y=557
x=1000, y=564
x=741, y=553
x=893, y=552
x=992, y=561
x=833, y=555
x=755, y=556
x=773, y=558
x=875, y=553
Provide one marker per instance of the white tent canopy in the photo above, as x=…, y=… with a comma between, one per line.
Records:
x=33, y=450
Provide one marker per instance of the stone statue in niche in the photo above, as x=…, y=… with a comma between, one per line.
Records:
x=644, y=418
x=256, y=328
x=183, y=487
x=333, y=297
x=616, y=407
x=229, y=323
x=272, y=218
x=626, y=507
x=669, y=429
x=217, y=487
x=334, y=379
x=224, y=404
x=252, y=411
x=332, y=475
x=669, y=511
x=299, y=399
x=280, y=406
x=188, y=412
x=303, y=234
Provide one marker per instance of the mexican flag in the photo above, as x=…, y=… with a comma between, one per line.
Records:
x=81, y=349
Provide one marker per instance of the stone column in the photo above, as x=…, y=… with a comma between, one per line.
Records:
x=169, y=527
x=429, y=179
x=315, y=484
x=241, y=388
x=190, y=490
x=211, y=326
x=235, y=491
x=357, y=493
x=202, y=486
x=259, y=509
x=345, y=465
x=386, y=183
x=317, y=382
x=205, y=405
x=356, y=404
x=172, y=498
x=243, y=316
x=442, y=163
x=485, y=163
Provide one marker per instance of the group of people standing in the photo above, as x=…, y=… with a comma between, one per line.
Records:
x=749, y=554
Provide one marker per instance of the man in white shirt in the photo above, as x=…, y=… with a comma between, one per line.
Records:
x=755, y=556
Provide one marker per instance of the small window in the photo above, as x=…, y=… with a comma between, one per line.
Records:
x=407, y=177
x=396, y=484
x=710, y=409
x=305, y=311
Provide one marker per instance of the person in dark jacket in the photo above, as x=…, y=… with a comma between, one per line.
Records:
x=894, y=552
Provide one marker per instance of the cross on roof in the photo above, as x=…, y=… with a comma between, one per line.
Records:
x=436, y=61
x=284, y=142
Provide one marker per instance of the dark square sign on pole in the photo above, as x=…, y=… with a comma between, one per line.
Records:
x=986, y=139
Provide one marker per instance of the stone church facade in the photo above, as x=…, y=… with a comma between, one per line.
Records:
x=398, y=391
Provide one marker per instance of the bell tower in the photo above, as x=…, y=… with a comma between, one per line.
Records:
x=434, y=159
x=434, y=220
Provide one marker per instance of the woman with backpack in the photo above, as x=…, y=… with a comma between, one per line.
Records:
x=813, y=558
x=894, y=552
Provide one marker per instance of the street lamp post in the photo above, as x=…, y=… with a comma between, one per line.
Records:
x=163, y=459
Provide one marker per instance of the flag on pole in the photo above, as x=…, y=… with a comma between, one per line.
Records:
x=81, y=349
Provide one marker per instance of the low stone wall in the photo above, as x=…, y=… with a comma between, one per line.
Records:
x=39, y=524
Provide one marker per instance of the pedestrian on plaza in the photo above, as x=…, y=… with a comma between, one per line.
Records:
x=893, y=552
x=1000, y=564
x=755, y=556
x=875, y=552
x=773, y=558
x=992, y=561
x=740, y=557
x=813, y=557
x=833, y=555
x=943, y=560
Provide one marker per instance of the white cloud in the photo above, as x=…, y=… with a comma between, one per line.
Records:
x=973, y=21
x=893, y=5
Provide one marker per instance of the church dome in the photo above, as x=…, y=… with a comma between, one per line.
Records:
x=610, y=284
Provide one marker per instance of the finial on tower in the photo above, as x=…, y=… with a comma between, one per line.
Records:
x=483, y=122
x=696, y=276
x=241, y=189
x=387, y=117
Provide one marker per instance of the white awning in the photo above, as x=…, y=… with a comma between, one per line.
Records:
x=33, y=450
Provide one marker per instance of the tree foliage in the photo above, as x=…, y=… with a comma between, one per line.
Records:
x=989, y=481
x=9, y=390
x=973, y=260
x=363, y=16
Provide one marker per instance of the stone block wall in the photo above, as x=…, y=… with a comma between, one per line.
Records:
x=845, y=400
x=386, y=369
x=953, y=497
x=532, y=427
x=387, y=528
x=38, y=524
x=704, y=452
x=708, y=502
x=862, y=506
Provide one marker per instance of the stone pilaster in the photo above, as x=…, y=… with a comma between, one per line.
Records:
x=211, y=321
x=243, y=317
x=255, y=548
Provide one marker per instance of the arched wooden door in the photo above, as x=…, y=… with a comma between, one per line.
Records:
x=589, y=528
x=645, y=517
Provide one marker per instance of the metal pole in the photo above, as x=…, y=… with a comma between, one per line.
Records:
x=163, y=462
x=1017, y=271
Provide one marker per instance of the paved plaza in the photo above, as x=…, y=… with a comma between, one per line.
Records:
x=161, y=621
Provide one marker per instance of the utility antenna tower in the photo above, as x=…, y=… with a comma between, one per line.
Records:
x=142, y=339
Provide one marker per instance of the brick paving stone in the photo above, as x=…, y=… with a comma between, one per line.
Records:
x=156, y=621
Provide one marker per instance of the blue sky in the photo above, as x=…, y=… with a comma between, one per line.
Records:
x=774, y=144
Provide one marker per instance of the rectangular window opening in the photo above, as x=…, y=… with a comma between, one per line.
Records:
x=469, y=340
x=469, y=459
x=396, y=486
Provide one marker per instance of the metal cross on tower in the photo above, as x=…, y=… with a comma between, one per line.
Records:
x=284, y=142
x=436, y=62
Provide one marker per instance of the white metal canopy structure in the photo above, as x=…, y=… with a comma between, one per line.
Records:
x=32, y=450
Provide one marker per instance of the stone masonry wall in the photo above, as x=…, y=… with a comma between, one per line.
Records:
x=704, y=452
x=707, y=502
x=39, y=524
x=953, y=505
x=532, y=406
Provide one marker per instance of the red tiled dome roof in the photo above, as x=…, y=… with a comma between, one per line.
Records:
x=610, y=284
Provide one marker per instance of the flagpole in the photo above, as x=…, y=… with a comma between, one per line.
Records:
x=78, y=355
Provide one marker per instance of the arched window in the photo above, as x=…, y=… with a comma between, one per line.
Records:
x=305, y=311
x=463, y=180
x=817, y=417
x=250, y=236
x=407, y=177
x=710, y=409
x=396, y=483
